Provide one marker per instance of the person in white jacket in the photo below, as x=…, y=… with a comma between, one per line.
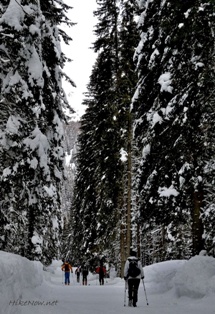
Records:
x=133, y=278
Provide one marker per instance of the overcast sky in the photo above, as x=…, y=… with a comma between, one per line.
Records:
x=83, y=58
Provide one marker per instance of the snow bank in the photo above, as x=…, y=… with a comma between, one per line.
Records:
x=21, y=279
x=194, y=278
x=55, y=266
x=159, y=277
x=16, y=275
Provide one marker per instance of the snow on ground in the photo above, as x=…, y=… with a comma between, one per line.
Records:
x=172, y=287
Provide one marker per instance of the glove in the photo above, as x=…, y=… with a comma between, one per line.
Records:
x=125, y=278
x=142, y=277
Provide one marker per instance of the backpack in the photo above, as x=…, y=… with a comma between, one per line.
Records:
x=133, y=268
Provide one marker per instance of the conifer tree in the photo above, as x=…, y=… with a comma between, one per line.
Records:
x=103, y=142
x=207, y=127
x=172, y=62
x=98, y=157
x=128, y=40
x=31, y=135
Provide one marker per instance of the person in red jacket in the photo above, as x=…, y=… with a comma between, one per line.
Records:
x=101, y=270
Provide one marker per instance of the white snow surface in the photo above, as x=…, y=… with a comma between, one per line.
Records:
x=172, y=287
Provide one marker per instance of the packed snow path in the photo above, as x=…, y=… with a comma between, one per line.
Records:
x=174, y=287
x=108, y=299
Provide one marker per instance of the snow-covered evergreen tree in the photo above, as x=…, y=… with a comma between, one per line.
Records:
x=176, y=47
x=31, y=131
x=96, y=193
x=103, y=143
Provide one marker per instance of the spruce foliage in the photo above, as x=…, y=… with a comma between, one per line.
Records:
x=31, y=130
x=104, y=130
x=175, y=84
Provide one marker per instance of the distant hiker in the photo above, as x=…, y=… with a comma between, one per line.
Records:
x=101, y=270
x=78, y=272
x=84, y=272
x=133, y=272
x=66, y=267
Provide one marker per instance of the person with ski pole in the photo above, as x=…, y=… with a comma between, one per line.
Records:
x=77, y=272
x=66, y=267
x=84, y=272
x=133, y=272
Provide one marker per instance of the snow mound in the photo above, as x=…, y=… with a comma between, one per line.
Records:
x=194, y=278
x=55, y=267
x=159, y=277
x=16, y=274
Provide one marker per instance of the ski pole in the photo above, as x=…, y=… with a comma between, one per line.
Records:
x=126, y=283
x=145, y=292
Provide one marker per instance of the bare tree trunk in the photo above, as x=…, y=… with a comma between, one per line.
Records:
x=138, y=241
x=129, y=187
x=197, y=228
x=122, y=248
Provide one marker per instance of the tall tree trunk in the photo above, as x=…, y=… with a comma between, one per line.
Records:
x=197, y=228
x=122, y=248
x=138, y=241
x=129, y=187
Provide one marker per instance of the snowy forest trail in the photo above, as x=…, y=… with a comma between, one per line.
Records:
x=106, y=299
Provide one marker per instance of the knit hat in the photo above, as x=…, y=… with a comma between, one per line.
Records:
x=133, y=252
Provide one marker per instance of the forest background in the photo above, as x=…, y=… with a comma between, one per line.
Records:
x=140, y=171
